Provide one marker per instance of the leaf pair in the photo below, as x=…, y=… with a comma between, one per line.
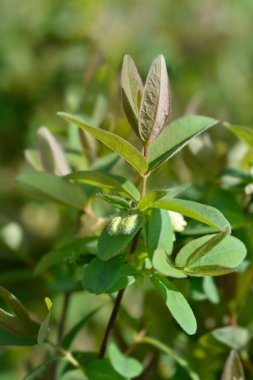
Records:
x=147, y=109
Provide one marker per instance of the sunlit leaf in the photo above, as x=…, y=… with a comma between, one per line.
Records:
x=203, y=213
x=155, y=103
x=114, y=142
x=175, y=136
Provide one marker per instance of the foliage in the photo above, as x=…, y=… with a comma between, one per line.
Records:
x=151, y=244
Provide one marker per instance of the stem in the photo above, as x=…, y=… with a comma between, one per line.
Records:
x=120, y=294
x=111, y=322
x=63, y=317
x=66, y=354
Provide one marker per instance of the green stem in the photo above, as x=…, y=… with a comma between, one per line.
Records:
x=66, y=354
x=120, y=294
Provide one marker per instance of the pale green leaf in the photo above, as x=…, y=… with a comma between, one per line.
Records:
x=159, y=232
x=161, y=264
x=243, y=133
x=176, y=303
x=150, y=198
x=43, y=330
x=155, y=103
x=114, y=142
x=222, y=258
x=52, y=188
x=51, y=153
x=125, y=366
x=175, y=136
x=203, y=213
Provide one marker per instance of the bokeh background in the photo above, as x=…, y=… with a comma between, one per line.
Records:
x=62, y=55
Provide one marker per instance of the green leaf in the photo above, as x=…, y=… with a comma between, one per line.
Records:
x=101, y=369
x=155, y=103
x=40, y=369
x=234, y=337
x=100, y=275
x=150, y=198
x=175, y=136
x=176, y=303
x=222, y=258
x=161, y=264
x=43, y=330
x=52, y=188
x=114, y=142
x=131, y=90
x=33, y=158
x=117, y=235
x=115, y=201
x=72, y=249
x=233, y=369
x=206, y=247
x=125, y=366
x=211, y=290
x=159, y=232
x=243, y=133
x=104, y=181
x=52, y=156
x=203, y=213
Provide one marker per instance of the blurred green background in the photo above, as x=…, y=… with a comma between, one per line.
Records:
x=61, y=55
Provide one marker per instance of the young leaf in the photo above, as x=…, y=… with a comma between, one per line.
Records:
x=43, y=330
x=125, y=366
x=159, y=232
x=150, y=198
x=73, y=248
x=117, y=235
x=176, y=303
x=131, y=90
x=114, y=142
x=52, y=188
x=175, y=136
x=233, y=369
x=236, y=338
x=203, y=213
x=52, y=156
x=105, y=181
x=115, y=201
x=155, y=103
x=33, y=158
